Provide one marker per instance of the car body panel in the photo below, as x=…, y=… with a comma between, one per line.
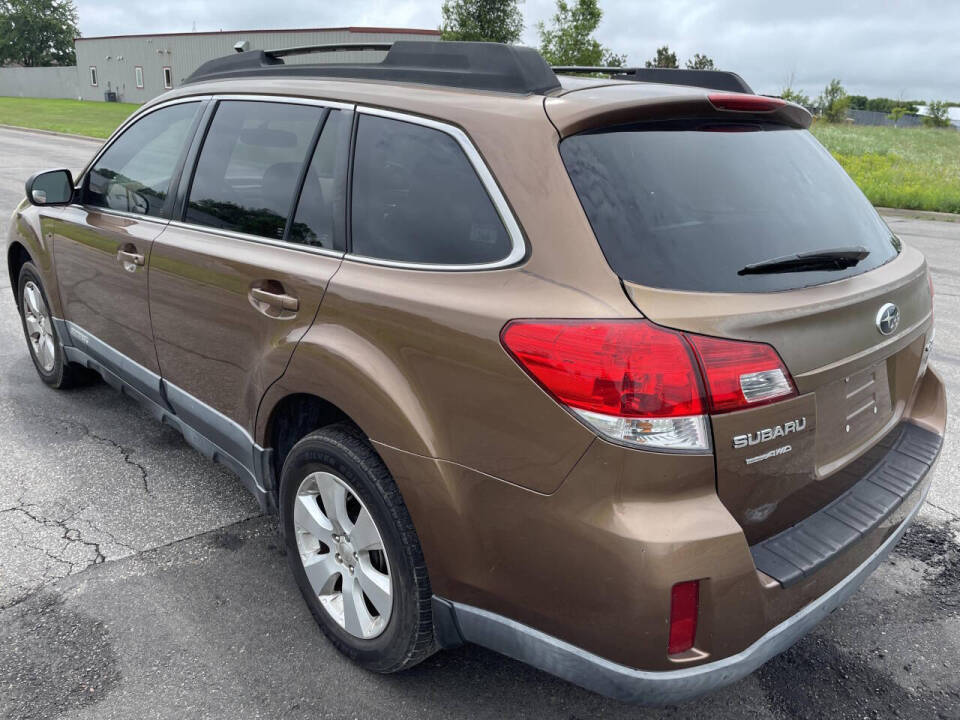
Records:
x=98, y=292
x=214, y=340
x=415, y=359
x=854, y=383
x=24, y=230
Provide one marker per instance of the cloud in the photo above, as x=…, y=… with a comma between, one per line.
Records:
x=876, y=47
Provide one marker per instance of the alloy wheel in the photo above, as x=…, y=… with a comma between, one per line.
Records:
x=342, y=553
x=39, y=328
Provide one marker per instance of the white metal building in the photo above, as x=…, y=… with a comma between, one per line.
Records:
x=139, y=67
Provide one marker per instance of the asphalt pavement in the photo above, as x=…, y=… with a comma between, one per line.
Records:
x=137, y=580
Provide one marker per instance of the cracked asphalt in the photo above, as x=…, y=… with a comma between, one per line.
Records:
x=137, y=580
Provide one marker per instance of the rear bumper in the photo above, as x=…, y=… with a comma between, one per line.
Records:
x=658, y=688
x=798, y=552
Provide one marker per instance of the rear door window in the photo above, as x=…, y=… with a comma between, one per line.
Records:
x=416, y=198
x=687, y=205
x=133, y=174
x=247, y=174
x=320, y=209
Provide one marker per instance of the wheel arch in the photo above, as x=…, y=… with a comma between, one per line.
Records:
x=352, y=379
x=17, y=257
x=293, y=417
x=26, y=243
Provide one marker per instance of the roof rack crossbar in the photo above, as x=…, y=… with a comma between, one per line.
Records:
x=335, y=47
x=474, y=65
x=709, y=79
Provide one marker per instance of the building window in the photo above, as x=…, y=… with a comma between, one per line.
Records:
x=138, y=71
x=167, y=77
x=93, y=75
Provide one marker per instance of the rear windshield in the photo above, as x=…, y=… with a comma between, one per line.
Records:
x=686, y=205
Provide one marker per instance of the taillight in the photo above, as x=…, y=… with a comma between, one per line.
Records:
x=629, y=379
x=641, y=384
x=741, y=374
x=684, y=607
x=741, y=102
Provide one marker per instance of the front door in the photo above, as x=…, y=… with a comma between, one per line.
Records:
x=237, y=283
x=102, y=244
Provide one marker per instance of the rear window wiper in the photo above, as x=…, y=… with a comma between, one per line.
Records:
x=839, y=258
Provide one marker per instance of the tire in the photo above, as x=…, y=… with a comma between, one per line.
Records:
x=43, y=342
x=381, y=634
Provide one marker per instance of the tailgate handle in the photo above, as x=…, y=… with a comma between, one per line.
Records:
x=277, y=300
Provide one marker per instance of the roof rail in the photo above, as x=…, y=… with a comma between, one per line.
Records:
x=710, y=79
x=471, y=65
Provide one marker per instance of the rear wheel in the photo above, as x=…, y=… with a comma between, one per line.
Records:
x=354, y=552
x=46, y=349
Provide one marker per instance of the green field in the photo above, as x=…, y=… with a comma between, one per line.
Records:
x=913, y=168
x=96, y=119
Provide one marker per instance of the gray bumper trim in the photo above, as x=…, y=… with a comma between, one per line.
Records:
x=659, y=688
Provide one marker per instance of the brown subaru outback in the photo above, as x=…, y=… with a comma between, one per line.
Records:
x=622, y=377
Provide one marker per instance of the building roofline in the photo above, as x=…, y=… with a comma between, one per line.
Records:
x=399, y=31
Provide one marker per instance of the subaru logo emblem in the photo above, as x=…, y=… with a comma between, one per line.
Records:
x=888, y=319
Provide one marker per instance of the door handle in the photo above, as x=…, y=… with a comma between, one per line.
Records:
x=277, y=300
x=130, y=260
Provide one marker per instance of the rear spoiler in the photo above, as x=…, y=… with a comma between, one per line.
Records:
x=605, y=106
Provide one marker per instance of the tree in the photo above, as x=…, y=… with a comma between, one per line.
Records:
x=858, y=102
x=487, y=20
x=896, y=113
x=37, y=32
x=570, y=41
x=885, y=105
x=700, y=62
x=834, y=102
x=938, y=114
x=664, y=59
x=796, y=96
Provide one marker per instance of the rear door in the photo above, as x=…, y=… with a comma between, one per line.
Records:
x=102, y=244
x=685, y=211
x=237, y=279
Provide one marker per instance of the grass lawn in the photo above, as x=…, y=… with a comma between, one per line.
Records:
x=96, y=119
x=913, y=168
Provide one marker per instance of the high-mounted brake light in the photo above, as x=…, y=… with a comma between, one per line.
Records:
x=684, y=607
x=638, y=383
x=741, y=102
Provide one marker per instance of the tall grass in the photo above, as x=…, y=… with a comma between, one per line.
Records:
x=913, y=168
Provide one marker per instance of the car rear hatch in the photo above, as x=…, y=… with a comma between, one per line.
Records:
x=737, y=223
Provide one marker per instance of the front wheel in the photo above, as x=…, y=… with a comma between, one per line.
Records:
x=354, y=552
x=46, y=350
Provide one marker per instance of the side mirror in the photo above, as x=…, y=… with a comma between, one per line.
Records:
x=51, y=187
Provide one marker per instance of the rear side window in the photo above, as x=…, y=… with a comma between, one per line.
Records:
x=687, y=205
x=133, y=174
x=247, y=173
x=416, y=198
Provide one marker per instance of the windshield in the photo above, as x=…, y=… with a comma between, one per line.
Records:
x=686, y=205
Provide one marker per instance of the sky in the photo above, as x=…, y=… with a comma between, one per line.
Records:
x=907, y=49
